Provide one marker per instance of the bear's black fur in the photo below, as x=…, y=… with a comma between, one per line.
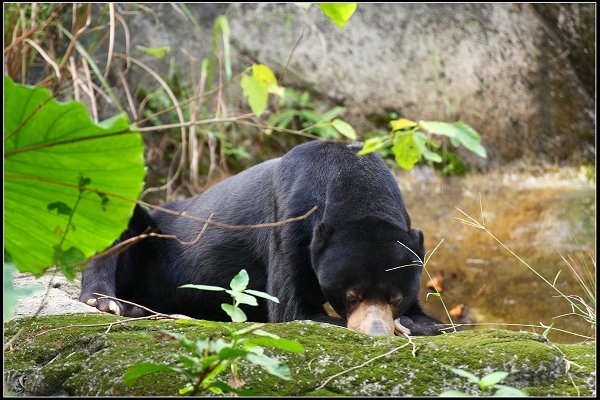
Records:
x=338, y=254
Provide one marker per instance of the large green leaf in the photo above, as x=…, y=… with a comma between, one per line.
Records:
x=70, y=184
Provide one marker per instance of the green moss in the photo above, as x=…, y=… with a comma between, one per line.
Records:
x=90, y=361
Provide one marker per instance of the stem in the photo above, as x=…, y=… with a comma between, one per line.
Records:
x=534, y=271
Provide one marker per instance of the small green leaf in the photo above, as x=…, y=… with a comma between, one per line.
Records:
x=331, y=114
x=401, y=124
x=454, y=393
x=158, y=52
x=202, y=287
x=228, y=352
x=283, y=344
x=189, y=362
x=240, y=281
x=235, y=313
x=548, y=328
x=261, y=332
x=225, y=388
x=243, y=298
x=421, y=140
x=271, y=365
x=460, y=372
x=248, y=329
x=256, y=93
x=60, y=207
x=469, y=138
x=491, y=379
x=508, y=391
x=262, y=294
x=141, y=369
x=256, y=87
x=406, y=151
x=66, y=260
x=338, y=13
x=344, y=128
x=188, y=388
x=440, y=128
x=371, y=145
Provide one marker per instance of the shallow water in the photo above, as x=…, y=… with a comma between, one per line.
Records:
x=534, y=215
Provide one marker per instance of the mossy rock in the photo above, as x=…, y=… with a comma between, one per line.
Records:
x=58, y=355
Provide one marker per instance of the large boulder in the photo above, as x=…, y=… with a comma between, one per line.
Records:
x=518, y=77
x=522, y=75
x=84, y=355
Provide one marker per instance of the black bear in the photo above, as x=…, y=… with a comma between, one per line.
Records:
x=357, y=251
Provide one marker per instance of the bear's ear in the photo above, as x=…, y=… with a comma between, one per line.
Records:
x=322, y=232
x=417, y=237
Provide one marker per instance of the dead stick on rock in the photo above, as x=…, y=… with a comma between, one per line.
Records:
x=361, y=365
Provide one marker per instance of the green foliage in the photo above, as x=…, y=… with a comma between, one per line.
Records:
x=70, y=183
x=211, y=357
x=338, y=13
x=10, y=294
x=296, y=111
x=411, y=141
x=489, y=381
x=158, y=52
x=258, y=86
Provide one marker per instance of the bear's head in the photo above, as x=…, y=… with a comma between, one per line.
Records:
x=369, y=271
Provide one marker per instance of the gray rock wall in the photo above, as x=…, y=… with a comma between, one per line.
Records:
x=521, y=75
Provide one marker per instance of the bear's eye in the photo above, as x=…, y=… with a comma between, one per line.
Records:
x=352, y=299
x=396, y=300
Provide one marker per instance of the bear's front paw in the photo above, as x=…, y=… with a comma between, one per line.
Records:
x=405, y=323
x=399, y=329
x=104, y=305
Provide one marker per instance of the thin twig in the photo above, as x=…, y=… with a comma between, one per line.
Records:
x=45, y=56
x=123, y=321
x=410, y=340
x=361, y=365
x=111, y=38
x=525, y=325
x=105, y=296
x=143, y=236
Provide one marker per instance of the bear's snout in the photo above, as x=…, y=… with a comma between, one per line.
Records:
x=372, y=318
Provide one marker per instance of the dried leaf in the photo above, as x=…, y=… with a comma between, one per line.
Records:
x=457, y=311
x=436, y=283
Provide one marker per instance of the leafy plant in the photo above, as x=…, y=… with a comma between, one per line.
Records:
x=257, y=87
x=410, y=140
x=211, y=357
x=296, y=111
x=338, y=13
x=489, y=381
